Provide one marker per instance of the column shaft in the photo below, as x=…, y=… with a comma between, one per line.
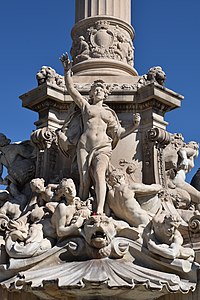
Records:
x=117, y=8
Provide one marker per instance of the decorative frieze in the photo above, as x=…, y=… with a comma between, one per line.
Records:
x=103, y=39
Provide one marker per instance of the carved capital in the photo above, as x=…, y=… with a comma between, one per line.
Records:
x=43, y=138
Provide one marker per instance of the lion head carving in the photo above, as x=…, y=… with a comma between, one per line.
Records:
x=156, y=74
x=48, y=74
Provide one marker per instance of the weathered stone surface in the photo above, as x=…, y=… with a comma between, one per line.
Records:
x=97, y=205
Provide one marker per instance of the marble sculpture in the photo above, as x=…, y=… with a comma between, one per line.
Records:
x=100, y=195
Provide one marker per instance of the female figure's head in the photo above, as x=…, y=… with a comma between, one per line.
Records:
x=99, y=91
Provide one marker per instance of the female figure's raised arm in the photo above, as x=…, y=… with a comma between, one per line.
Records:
x=74, y=93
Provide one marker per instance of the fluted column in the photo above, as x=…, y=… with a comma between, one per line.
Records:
x=117, y=8
x=102, y=38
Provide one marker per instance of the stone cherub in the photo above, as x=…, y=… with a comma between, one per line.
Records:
x=80, y=50
x=100, y=133
x=126, y=48
x=121, y=198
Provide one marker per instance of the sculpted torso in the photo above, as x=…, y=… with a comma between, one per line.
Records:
x=125, y=197
x=95, y=120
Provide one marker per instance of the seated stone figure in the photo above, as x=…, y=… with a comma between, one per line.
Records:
x=121, y=198
x=19, y=160
x=70, y=213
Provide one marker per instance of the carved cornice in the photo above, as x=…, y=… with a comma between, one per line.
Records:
x=121, y=107
x=153, y=103
x=138, y=107
x=50, y=103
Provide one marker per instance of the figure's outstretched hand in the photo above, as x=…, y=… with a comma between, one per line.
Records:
x=136, y=119
x=66, y=61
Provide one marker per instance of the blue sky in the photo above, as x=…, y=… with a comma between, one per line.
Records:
x=36, y=33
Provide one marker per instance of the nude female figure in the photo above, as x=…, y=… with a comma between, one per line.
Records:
x=101, y=130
